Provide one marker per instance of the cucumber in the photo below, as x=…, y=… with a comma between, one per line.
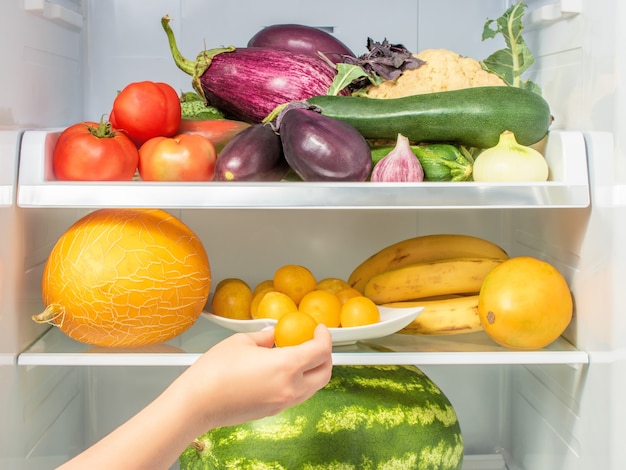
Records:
x=440, y=162
x=474, y=117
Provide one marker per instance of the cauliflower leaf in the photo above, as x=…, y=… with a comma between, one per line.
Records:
x=510, y=63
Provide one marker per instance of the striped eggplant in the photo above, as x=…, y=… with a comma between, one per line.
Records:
x=249, y=83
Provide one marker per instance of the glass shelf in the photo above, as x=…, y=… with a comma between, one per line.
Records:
x=565, y=153
x=54, y=348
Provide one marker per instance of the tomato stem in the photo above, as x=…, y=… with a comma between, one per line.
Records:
x=104, y=129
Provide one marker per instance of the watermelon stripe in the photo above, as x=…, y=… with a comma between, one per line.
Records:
x=366, y=418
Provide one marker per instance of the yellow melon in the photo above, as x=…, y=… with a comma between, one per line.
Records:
x=125, y=278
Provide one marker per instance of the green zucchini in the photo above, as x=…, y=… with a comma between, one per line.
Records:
x=474, y=117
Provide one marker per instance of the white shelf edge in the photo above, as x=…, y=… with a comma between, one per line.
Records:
x=287, y=195
x=56, y=349
x=107, y=359
x=339, y=358
x=463, y=358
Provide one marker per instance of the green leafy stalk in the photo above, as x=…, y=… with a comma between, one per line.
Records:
x=346, y=74
x=510, y=63
x=194, y=68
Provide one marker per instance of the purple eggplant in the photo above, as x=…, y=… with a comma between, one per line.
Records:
x=247, y=84
x=255, y=154
x=301, y=39
x=321, y=148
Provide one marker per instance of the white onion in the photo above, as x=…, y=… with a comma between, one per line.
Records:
x=510, y=161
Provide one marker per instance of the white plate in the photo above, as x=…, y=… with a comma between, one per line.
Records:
x=391, y=321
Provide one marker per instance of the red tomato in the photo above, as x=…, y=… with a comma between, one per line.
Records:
x=185, y=157
x=91, y=151
x=145, y=110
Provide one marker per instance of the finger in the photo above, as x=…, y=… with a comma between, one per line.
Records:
x=323, y=333
x=263, y=338
x=316, y=378
x=317, y=351
x=320, y=375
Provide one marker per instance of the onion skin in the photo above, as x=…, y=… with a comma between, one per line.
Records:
x=301, y=39
x=510, y=161
x=125, y=278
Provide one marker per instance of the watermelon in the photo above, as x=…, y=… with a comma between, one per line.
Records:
x=367, y=417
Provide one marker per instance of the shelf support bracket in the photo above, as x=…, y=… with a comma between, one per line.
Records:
x=55, y=12
x=552, y=12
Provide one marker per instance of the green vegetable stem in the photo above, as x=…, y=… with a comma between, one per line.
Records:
x=510, y=63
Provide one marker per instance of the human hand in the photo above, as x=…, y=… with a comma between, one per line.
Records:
x=243, y=378
x=238, y=380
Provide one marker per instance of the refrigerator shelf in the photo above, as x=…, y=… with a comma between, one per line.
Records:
x=54, y=348
x=565, y=153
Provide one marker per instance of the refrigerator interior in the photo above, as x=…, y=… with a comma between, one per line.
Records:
x=557, y=408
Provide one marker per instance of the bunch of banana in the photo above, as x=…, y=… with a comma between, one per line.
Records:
x=441, y=272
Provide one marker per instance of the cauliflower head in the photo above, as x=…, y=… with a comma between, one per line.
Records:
x=442, y=70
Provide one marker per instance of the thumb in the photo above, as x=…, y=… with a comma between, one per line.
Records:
x=263, y=338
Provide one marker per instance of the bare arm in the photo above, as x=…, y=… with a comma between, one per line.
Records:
x=238, y=380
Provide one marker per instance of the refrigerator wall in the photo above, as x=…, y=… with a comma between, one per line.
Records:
x=551, y=410
x=9, y=148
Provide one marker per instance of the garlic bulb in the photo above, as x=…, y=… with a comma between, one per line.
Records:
x=398, y=166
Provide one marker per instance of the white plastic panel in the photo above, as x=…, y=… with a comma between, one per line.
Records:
x=43, y=61
x=50, y=412
x=465, y=38
x=8, y=435
x=66, y=13
x=10, y=244
x=545, y=422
